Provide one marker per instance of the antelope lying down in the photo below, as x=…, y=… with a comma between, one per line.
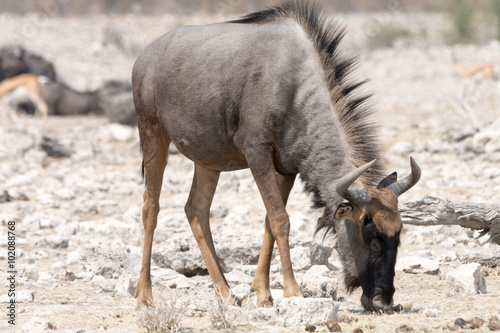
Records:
x=270, y=92
x=22, y=88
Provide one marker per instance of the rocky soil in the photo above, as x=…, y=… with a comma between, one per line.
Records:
x=77, y=217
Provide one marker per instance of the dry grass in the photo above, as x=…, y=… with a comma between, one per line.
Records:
x=220, y=312
x=165, y=315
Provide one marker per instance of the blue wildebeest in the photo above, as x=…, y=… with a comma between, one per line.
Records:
x=15, y=60
x=270, y=92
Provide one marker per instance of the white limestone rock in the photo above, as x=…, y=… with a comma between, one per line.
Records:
x=417, y=265
x=298, y=311
x=466, y=280
x=317, y=282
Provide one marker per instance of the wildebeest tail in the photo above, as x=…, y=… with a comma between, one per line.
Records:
x=143, y=172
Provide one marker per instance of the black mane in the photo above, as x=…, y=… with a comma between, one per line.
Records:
x=350, y=103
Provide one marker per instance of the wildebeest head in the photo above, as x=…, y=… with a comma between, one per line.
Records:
x=368, y=226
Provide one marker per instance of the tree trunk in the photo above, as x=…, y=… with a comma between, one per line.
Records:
x=437, y=211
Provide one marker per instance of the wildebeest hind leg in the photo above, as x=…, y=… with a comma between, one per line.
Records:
x=155, y=144
x=261, y=279
x=198, y=214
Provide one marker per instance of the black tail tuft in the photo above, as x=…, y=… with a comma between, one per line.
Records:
x=143, y=172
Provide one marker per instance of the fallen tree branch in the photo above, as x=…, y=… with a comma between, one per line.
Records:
x=485, y=259
x=437, y=211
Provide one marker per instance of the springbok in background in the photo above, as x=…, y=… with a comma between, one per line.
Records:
x=25, y=88
x=270, y=92
x=476, y=77
x=485, y=71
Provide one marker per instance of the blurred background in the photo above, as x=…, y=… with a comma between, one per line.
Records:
x=472, y=20
x=432, y=65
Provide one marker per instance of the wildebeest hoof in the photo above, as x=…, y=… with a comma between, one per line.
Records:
x=266, y=302
x=376, y=302
x=379, y=305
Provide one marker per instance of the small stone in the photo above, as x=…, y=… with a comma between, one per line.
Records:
x=347, y=319
x=46, y=277
x=475, y=323
x=417, y=265
x=310, y=328
x=460, y=322
x=106, y=285
x=301, y=258
x=120, y=132
x=262, y=314
x=357, y=330
x=37, y=325
x=407, y=306
x=397, y=308
x=333, y=326
x=169, y=277
x=46, y=223
x=404, y=328
x=125, y=286
x=73, y=257
x=25, y=296
x=65, y=194
x=30, y=273
x=236, y=277
x=241, y=291
x=54, y=242
x=432, y=312
x=494, y=324
x=69, y=276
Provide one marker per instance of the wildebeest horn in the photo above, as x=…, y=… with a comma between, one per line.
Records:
x=406, y=183
x=355, y=196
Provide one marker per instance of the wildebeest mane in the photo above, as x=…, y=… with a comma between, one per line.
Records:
x=349, y=102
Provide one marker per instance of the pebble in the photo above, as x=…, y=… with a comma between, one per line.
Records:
x=25, y=296
x=494, y=324
x=310, y=328
x=432, y=313
x=38, y=324
x=417, y=265
x=333, y=326
x=407, y=306
x=404, y=328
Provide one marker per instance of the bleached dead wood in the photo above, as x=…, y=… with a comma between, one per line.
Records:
x=485, y=259
x=438, y=211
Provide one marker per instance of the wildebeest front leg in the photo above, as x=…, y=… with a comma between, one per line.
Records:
x=198, y=214
x=261, y=279
x=261, y=164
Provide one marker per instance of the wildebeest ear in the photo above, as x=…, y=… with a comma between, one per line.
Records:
x=342, y=210
x=392, y=178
